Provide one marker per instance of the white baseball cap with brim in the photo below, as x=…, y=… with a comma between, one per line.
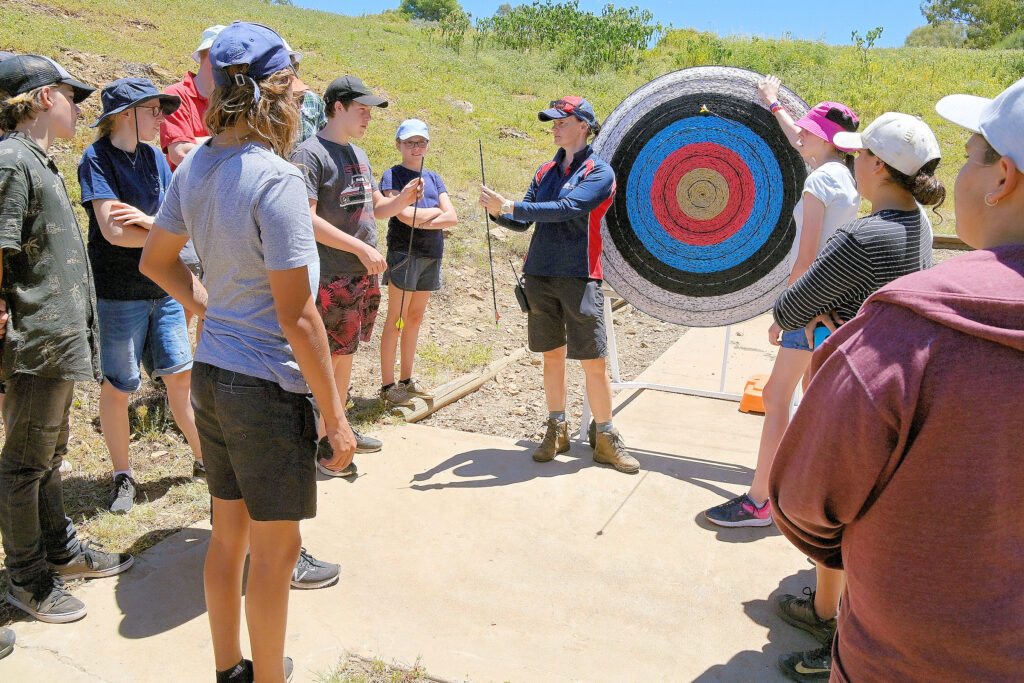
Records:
x=1000, y=120
x=206, y=42
x=903, y=141
x=410, y=128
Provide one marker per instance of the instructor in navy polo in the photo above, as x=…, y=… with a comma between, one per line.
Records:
x=565, y=203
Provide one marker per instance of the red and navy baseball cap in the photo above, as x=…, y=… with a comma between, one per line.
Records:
x=23, y=73
x=570, y=105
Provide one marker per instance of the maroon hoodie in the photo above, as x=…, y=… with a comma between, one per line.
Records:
x=905, y=466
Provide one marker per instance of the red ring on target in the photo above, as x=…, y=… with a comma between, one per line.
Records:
x=695, y=231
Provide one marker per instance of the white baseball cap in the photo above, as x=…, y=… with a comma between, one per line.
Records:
x=206, y=42
x=296, y=56
x=903, y=141
x=1000, y=120
x=410, y=128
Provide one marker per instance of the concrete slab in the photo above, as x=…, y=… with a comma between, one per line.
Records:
x=459, y=549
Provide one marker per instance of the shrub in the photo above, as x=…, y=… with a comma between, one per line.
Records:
x=431, y=10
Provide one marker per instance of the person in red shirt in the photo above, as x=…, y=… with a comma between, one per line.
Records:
x=184, y=129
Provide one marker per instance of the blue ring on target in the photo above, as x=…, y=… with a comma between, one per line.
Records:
x=762, y=166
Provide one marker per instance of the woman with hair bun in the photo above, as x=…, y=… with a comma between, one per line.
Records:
x=263, y=340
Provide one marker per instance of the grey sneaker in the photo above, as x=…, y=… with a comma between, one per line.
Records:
x=124, y=495
x=397, y=394
x=556, y=440
x=6, y=642
x=46, y=599
x=310, y=572
x=93, y=563
x=416, y=389
x=610, y=450
x=367, y=444
x=800, y=612
x=325, y=452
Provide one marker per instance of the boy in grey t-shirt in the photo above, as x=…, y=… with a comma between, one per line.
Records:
x=344, y=202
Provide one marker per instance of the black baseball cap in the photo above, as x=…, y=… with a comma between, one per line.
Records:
x=352, y=89
x=23, y=73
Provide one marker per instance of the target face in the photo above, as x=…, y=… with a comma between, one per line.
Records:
x=701, y=230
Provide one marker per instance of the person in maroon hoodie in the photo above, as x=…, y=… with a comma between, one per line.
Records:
x=906, y=463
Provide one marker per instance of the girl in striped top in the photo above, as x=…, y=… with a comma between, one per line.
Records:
x=828, y=201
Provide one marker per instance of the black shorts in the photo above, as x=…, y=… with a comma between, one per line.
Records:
x=413, y=274
x=566, y=311
x=259, y=443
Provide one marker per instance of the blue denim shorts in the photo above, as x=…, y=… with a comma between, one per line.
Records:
x=150, y=332
x=798, y=339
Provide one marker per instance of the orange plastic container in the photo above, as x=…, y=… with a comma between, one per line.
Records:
x=753, y=401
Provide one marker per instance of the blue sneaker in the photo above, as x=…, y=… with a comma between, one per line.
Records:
x=740, y=511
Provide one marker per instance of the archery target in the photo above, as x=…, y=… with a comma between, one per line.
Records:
x=701, y=229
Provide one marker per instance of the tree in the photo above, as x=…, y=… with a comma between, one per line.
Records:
x=941, y=34
x=503, y=9
x=431, y=10
x=986, y=21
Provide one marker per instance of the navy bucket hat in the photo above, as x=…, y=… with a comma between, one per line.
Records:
x=570, y=106
x=125, y=93
x=254, y=45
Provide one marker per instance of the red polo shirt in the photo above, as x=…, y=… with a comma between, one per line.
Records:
x=186, y=124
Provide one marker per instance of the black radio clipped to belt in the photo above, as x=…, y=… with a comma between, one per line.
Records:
x=520, y=290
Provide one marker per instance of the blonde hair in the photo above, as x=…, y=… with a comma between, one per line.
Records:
x=105, y=127
x=20, y=108
x=275, y=118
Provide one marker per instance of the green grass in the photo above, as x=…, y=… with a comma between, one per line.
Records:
x=506, y=88
x=452, y=359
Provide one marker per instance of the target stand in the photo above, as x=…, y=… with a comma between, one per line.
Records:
x=701, y=231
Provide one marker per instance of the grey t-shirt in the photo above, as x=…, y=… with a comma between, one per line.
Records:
x=338, y=177
x=246, y=212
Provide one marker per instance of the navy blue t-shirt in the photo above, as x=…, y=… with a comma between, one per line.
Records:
x=106, y=172
x=425, y=242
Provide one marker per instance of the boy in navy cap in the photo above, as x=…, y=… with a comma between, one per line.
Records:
x=53, y=340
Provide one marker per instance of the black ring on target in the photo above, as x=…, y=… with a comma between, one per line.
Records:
x=701, y=228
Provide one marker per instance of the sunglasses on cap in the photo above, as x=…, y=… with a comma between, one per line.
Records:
x=842, y=119
x=562, y=105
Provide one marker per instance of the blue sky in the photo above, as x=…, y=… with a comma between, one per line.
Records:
x=831, y=21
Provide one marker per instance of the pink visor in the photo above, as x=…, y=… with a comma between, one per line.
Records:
x=828, y=118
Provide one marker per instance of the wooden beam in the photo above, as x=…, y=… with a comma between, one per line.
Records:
x=949, y=242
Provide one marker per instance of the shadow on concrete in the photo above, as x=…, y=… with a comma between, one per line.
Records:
x=736, y=534
x=501, y=467
x=487, y=467
x=753, y=665
x=165, y=587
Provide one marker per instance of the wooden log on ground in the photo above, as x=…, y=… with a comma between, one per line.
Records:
x=949, y=242
x=456, y=389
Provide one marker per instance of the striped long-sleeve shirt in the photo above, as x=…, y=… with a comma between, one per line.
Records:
x=858, y=259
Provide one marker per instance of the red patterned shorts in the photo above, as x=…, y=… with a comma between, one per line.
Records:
x=348, y=305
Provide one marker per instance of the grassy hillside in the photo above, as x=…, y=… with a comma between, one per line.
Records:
x=113, y=38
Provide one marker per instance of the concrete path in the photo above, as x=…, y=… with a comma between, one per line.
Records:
x=458, y=549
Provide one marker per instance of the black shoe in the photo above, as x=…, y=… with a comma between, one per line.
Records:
x=46, y=598
x=6, y=642
x=807, y=667
x=92, y=563
x=800, y=612
x=243, y=673
x=124, y=495
x=310, y=572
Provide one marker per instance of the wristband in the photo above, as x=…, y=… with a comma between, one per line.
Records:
x=775, y=107
x=507, y=207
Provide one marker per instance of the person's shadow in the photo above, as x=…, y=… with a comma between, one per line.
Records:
x=164, y=589
x=488, y=467
x=753, y=665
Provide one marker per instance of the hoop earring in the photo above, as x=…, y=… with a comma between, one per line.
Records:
x=990, y=203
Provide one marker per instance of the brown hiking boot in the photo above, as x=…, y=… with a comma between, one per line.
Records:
x=556, y=440
x=611, y=451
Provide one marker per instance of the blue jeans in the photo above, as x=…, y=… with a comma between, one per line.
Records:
x=798, y=338
x=33, y=523
x=147, y=331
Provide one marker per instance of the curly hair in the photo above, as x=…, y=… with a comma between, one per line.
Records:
x=274, y=118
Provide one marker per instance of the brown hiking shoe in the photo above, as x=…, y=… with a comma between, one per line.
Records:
x=611, y=451
x=556, y=440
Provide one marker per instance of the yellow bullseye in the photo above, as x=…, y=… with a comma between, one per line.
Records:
x=702, y=194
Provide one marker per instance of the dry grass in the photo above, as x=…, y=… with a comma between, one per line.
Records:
x=355, y=669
